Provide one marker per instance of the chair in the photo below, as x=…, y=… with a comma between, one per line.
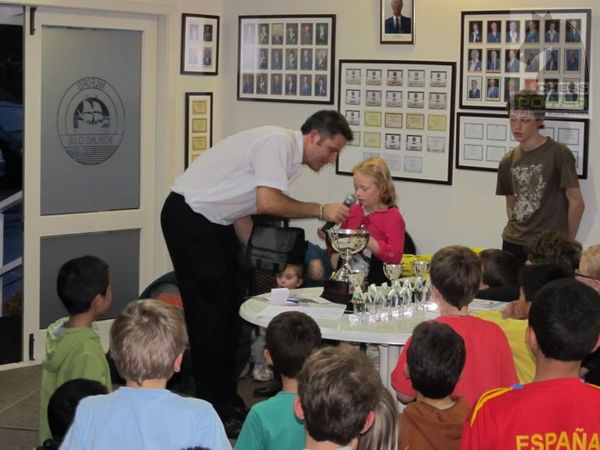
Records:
x=409, y=245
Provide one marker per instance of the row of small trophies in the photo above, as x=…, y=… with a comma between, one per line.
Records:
x=380, y=303
x=400, y=299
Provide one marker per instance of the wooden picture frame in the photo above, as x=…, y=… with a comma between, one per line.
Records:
x=286, y=58
x=402, y=111
x=394, y=28
x=198, y=120
x=199, y=44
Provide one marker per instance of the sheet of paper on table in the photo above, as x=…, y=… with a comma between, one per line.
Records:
x=332, y=311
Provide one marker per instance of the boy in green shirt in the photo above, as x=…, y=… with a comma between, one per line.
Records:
x=271, y=425
x=73, y=348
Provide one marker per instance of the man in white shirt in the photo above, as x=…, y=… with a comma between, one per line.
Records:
x=208, y=214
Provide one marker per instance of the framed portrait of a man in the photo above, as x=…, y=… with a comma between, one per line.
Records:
x=397, y=21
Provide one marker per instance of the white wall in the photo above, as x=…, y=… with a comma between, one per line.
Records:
x=466, y=212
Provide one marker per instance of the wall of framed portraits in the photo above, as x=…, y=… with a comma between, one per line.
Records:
x=470, y=212
x=360, y=33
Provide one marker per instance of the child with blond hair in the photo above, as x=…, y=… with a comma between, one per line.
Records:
x=377, y=211
x=147, y=343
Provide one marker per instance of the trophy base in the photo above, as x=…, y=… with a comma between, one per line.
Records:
x=337, y=291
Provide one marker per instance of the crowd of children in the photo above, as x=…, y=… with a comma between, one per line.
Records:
x=459, y=373
x=494, y=380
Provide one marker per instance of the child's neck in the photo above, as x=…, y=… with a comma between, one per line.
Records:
x=156, y=383
x=446, y=309
x=289, y=384
x=311, y=444
x=378, y=207
x=534, y=142
x=438, y=403
x=84, y=319
x=550, y=369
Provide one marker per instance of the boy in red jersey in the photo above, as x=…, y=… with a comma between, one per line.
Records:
x=557, y=410
x=455, y=277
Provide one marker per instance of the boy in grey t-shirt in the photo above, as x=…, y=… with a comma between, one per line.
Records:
x=538, y=179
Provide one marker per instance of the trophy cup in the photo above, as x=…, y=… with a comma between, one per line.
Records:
x=347, y=243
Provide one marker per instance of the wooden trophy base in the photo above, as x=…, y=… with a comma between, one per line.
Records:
x=337, y=291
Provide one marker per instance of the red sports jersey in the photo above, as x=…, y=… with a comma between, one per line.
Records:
x=489, y=363
x=550, y=415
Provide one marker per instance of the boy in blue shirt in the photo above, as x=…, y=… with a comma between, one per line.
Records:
x=147, y=343
x=271, y=425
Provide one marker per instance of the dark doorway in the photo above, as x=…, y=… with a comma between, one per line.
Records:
x=11, y=186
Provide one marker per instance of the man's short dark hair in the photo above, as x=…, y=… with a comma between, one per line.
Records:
x=549, y=246
x=534, y=277
x=291, y=337
x=80, y=280
x=525, y=100
x=498, y=267
x=328, y=123
x=64, y=401
x=565, y=317
x=435, y=358
x=338, y=387
x=456, y=273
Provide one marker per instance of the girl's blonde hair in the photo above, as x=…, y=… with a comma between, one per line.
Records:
x=376, y=168
x=383, y=435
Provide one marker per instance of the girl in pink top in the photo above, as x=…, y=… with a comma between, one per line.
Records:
x=377, y=211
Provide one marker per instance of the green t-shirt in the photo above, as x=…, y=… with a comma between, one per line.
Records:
x=272, y=425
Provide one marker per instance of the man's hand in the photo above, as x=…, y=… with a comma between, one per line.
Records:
x=335, y=212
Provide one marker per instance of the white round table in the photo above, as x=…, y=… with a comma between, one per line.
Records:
x=389, y=336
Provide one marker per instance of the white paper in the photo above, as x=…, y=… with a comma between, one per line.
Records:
x=279, y=296
x=317, y=312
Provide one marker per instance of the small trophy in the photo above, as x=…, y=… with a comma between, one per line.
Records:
x=347, y=243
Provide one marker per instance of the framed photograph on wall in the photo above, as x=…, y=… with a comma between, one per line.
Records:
x=483, y=139
x=397, y=21
x=547, y=51
x=286, y=58
x=402, y=111
x=199, y=44
x=198, y=124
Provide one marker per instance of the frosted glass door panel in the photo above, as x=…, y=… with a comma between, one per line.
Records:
x=90, y=109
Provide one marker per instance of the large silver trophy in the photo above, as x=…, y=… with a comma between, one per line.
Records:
x=347, y=243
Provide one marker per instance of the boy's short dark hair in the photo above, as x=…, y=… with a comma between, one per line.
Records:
x=534, y=277
x=80, y=280
x=550, y=246
x=435, y=359
x=456, y=273
x=64, y=401
x=145, y=340
x=565, y=317
x=338, y=387
x=328, y=123
x=291, y=337
x=525, y=100
x=498, y=267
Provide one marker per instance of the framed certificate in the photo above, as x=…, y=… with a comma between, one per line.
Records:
x=483, y=139
x=402, y=111
x=198, y=119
